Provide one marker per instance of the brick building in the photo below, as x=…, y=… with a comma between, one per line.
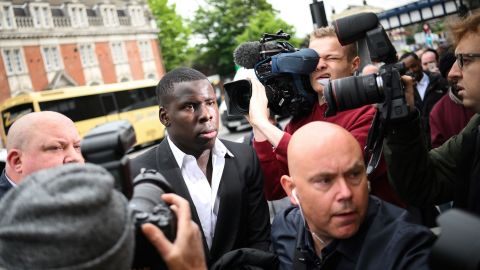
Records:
x=47, y=44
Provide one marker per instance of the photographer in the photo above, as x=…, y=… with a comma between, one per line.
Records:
x=449, y=172
x=71, y=217
x=335, y=62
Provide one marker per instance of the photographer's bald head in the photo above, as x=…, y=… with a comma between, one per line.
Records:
x=40, y=140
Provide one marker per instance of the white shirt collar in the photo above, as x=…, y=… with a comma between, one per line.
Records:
x=219, y=149
x=10, y=181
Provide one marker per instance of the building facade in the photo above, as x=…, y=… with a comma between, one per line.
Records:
x=47, y=44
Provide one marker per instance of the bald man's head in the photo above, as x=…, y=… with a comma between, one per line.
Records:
x=328, y=177
x=27, y=126
x=41, y=140
x=319, y=140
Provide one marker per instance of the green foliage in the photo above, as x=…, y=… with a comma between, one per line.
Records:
x=173, y=36
x=220, y=22
x=266, y=22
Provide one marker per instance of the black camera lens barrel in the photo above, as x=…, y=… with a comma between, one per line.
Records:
x=353, y=92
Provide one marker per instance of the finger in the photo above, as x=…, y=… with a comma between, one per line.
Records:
x=181, y=208
x=157, y=238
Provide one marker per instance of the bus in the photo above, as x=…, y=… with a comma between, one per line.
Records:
x=90, y=106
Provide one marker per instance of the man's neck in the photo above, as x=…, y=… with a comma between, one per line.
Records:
x=320, y=243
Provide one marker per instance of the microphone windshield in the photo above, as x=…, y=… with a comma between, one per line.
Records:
x=249, y=53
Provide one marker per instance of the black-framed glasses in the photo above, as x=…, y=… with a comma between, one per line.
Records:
x=461, y=57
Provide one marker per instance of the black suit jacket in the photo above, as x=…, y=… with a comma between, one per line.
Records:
x=243, y=218
x=4, y=184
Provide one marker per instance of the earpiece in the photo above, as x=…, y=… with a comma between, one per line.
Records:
x=294, y=194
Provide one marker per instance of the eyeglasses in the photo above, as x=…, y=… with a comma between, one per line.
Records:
x=462, y=57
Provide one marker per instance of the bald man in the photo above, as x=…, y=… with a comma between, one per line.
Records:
x=38, y=141
x=335, y=223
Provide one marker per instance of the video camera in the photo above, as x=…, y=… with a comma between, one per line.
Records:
x=385, y=87
x=107, y=145
x=282, y=69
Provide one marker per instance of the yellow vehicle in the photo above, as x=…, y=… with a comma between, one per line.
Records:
x=89, y=106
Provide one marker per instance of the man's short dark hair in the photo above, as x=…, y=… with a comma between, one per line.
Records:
x=433, y=51
x=178, y=75
x=407, y=54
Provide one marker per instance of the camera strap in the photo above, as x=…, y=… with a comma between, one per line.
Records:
x=374, y=146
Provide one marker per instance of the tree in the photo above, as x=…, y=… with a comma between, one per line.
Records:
x=266, y=22
x=173, y=36
x=218, y=23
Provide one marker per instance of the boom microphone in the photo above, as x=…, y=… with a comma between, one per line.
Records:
x=249, y=53
x=353, y=28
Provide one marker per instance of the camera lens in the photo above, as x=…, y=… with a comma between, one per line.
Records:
x=353, y=92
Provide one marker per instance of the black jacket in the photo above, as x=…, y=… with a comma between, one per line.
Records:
x=4, y=185
x=243, y=220
x=436, y=89
x=385, y=240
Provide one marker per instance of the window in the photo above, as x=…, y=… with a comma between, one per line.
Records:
x=145, y=50
x=6, y=16
x=118, y=52
x=136, y=15
x=109, y=15
x=135, y=99
x=75, y=108
x=87, y=55
x=13, y=59
x=78, y=15
x=51, y=58
x=42, y=16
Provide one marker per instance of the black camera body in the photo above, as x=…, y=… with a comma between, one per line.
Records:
x=282, y=69
x=107, y=145
x=385, y=87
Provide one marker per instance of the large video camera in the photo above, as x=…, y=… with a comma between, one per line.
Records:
x=385, y=87
x=107, y=145
x=282, y=69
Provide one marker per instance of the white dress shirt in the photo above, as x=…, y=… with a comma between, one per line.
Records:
x=203, y=194
x=422, y=85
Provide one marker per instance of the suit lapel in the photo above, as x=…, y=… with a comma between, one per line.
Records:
x=168, y=166
x=229, y=213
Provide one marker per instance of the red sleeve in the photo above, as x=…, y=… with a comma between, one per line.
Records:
x=274, y=165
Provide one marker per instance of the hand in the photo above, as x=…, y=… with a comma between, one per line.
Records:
x=186, y=252
x=258, y=109
x=409, y=83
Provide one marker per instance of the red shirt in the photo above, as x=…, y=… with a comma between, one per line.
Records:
x=357, y=122
x=447, y=118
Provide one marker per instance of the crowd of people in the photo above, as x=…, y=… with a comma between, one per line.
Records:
x=58, y=212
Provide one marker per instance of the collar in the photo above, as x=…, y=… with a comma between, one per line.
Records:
x=9, y=180
x=219, y=150
x=425, y=79
x=348, y=248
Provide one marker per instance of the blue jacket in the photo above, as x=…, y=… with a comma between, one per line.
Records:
x=4, y=184
x=385, y=240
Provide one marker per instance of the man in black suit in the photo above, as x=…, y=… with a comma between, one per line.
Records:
x=36, y=141
x=222, y=180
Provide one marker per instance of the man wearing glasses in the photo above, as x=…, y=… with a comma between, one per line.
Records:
x=450, y=172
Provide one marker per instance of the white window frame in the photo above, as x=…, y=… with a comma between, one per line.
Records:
x=14, y=61
x=109, y=15
x=78, y=15
x=145, y=50
x=52, y=58
x=118, y=52
x=137, y=15
x=7, y=19
x=41, y=14
x=87, y=54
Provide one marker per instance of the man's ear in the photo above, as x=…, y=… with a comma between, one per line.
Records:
x=163, y=116
x=288, y=186
x=355, y=64
x=14, y=160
